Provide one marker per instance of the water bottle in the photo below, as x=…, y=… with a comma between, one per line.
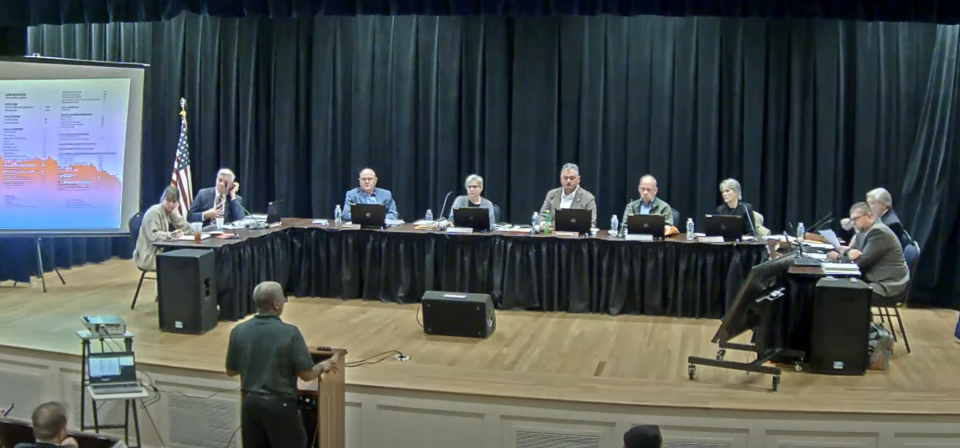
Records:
x=614, y=226
x=690, y=229
x=801, y=232
x=535, y=220
x=337, y=216
x=546, y=222
x=429, y=215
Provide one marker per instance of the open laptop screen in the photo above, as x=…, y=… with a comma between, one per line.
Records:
x=111, y=368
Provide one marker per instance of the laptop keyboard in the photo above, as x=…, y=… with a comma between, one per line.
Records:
x=116, y=388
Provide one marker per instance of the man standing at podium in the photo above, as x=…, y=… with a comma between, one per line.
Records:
x=269, y=355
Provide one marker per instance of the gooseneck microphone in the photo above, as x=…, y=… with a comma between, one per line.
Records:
x=256, y=224
x=753, y=228
x=442, y=216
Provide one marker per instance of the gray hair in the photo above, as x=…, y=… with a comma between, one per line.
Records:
x=171, y=194
x=226, y=172
x=473, y=178
x=266, y=294
x=571, y=167
x=882, y=195
x=648, y=176
x=861, y=207
x=731, y=184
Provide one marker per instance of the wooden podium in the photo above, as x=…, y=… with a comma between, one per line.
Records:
x=323, y=408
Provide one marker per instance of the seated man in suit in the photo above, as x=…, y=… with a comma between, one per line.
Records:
x=221, y=201
x=648, y=204
x=49, y=427
x=569, y=195
x=881, y=203
x=877, y=252
x=368, y=193
x=160, y=222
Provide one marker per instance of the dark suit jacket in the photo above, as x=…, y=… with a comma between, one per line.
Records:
x=881, y=260
x=582, y=200
x=232, y=211
x=891, y=220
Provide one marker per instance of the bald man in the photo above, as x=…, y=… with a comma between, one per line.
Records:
x=648, y=204
x=368, y=193
x=269, y=355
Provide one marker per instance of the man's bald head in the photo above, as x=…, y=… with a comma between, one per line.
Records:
x=368, y=180
x=50, y=422
x=268, y=298
x=647, y=188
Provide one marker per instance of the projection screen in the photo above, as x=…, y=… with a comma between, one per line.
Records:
x=69, y=146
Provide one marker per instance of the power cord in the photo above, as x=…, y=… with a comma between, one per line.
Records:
x=418, y=315
x=368, y=361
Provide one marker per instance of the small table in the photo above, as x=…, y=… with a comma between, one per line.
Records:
x=130, y=404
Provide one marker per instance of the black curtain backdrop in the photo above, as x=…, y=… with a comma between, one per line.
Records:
x=807, y=114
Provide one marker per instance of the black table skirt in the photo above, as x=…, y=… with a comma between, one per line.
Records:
x=519, y=272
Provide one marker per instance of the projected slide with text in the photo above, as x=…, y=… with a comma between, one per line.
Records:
x=62, y=145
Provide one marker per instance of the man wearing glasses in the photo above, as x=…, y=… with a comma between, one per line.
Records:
x=878, y=254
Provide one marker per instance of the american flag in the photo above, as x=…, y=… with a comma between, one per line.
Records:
x=181, y=171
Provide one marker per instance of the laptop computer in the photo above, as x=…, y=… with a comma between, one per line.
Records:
x=113, y=373
x=368, y=215
x=646, y=225
x=475, y=218
x=728, y=226
x=573, y=220
x=275, y=211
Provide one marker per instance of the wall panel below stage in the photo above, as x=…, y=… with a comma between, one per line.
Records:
x=382, y=418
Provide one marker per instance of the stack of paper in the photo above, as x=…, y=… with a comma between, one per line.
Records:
x=840, y=268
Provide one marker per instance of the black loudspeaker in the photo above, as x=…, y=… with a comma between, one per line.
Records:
x=13, y=41
x=187, y=291
x=841, y=327
x=458, y=314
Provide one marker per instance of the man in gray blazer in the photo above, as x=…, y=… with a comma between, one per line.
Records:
x=569, y=195
x=221, y=201
x=877, y=252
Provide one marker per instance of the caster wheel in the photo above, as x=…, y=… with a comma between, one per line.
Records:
x=798, y=367
x=776, y=383
x=692, y=371
x=720, y=354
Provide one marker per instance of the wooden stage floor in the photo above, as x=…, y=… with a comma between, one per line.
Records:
x=543, y=356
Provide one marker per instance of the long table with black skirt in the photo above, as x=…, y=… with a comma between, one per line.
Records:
x=595, y=274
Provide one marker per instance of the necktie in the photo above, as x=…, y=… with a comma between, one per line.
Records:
x=219, y=204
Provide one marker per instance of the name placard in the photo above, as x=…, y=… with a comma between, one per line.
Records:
x=710, y=239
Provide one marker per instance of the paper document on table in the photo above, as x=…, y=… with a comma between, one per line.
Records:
x=840, y=266
x=203, y=236
x=831, y=237
x=817, y=245
x=816, y=256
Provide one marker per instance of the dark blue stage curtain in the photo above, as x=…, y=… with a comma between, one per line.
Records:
x=56, y=12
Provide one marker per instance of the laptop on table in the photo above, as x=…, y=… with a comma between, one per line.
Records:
x=475, y=218
x=728, y=226
x=573, y=220
x=368, y=215
x=646, y=225
x=274, y=211
x=113, y=373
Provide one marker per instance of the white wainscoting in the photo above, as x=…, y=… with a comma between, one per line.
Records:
x=191, y=413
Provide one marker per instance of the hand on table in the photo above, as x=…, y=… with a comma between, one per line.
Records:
x=69, y=441
x=176, y=234
x=853, y=254
x=833, y=256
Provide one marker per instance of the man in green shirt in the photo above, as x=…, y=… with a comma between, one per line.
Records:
x=269, y=355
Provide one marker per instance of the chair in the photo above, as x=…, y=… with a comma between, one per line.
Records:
x=496, y=214
x=883, y=304
x=676, y=217
x=135, y=223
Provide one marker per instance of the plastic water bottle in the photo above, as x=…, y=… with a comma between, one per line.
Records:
x=614, y=226
x=429, y=215
x=690, y=229
x=801, y=231
x=546, y=222
x=337, y=216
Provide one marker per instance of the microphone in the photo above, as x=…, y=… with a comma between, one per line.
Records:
x=821, y=225
x=820, y=222
x=256, y=224
x=750, y=220
x=6, y=411
x=443, y=217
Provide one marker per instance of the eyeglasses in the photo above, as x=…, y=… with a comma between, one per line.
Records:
x=854, y=218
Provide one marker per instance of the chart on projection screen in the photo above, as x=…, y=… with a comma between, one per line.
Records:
x=62, y=150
